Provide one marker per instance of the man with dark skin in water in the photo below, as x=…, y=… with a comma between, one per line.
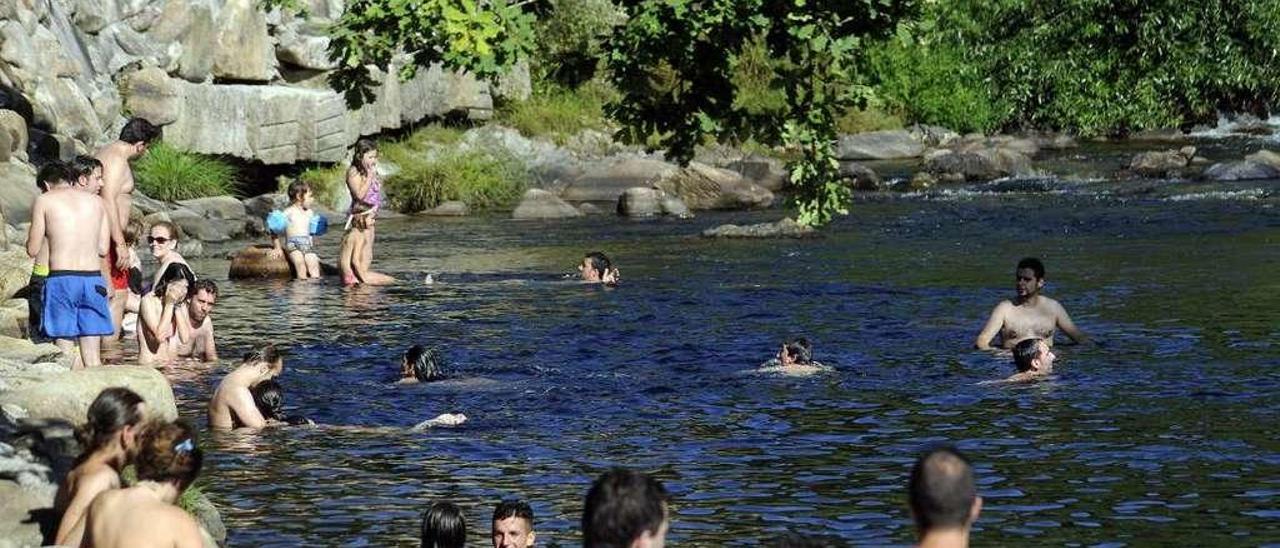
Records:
x=1029, y=314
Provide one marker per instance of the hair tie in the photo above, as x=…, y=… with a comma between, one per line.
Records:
x=186, y=446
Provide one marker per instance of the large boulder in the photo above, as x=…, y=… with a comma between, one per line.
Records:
x=195, y=225
x=15, y=271
x=13, y=136
x=225, y=208
x=256, y=262
x=451, y=208
x=767, y=172
x=607, y=182
x=1241, y=171
x=66, y=395
x=1162, y=163
x=17, y=191
x=13, y=319
x=196, y=62
x=301, y=48
x=153, y=95
x=704, y=187
x=859, y=176
x=243, y=49
x=259, y=206
x=542, y=204
x=1265, y=157
x=879, y=145
x=980, y=165
x=640, y=202
x=25, y=351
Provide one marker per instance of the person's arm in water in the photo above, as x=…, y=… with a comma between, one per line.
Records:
x=1067, y=326
x=113, y=173
x=35, y=234
x=210, y=350
x=994, y=323
x=245, y=411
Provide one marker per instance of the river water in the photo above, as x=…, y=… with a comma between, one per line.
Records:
x=1166, y=433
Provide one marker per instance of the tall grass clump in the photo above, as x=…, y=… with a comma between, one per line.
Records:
x=427, y=178
x=328, y=183
x=557, y=113
x=169, y=174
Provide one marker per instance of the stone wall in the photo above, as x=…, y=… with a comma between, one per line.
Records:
x=226, y=78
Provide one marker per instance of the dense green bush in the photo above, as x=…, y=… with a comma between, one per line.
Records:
x=931, y=84
x=483, y=181
x=328, y=183
x=169, y=174
x=557, y=113
x=571, y=37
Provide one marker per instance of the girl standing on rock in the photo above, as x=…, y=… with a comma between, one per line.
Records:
x=365, y=186
x=108, y=439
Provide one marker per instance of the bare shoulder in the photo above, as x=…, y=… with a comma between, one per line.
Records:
x=102, y=477
x=1051, y=304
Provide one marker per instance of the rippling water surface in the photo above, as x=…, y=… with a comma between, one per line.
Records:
x=1164, y=434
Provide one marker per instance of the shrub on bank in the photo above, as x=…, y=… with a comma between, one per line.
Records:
x=557, y=113
x=169, y=174
x=426, y=179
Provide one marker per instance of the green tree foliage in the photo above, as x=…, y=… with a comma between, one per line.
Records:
x=571, y=36
x=674, y=63
x=484, y=37
x=1100, y=66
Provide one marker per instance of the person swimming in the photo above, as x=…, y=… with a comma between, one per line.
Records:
x=421, y=364
x=794, y=357
x=597, y=268
x=268, y=397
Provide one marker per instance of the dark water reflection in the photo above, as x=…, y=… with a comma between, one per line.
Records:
x=1165, y=435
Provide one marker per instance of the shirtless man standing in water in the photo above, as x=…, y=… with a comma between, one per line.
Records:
x=232, y=403
x=1030, y=314
x=117, y=193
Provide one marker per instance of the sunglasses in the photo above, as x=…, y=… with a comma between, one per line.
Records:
x=158, y=240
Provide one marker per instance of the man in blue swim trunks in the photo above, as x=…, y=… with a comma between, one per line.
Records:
x=73, y=225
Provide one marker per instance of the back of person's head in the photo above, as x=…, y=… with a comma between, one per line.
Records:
x=168, y=453
x=206, y=285
x=795, y=540
x=1025, y=352
x=800, y=350
x=268, y=354
x=427, y=363
x=1034, y=264
x=297, y=190
x=173, y=273
x=621, y=506
x=169, y=227
x=133, y=230
x=942, y=490
x=114, y=409
x=269, y=399
x=443, y=526
x=139, y=130
x=599, y=262
x=84, y=165
x=513, y=509
x=54, y=173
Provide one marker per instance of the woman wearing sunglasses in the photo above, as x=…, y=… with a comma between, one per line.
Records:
x=163, y=241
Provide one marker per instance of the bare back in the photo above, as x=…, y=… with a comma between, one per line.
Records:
x=231, y=405
x=81, y=486
x=127, y=518
x=74, y=225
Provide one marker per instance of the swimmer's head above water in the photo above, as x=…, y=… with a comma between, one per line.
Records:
x=596, y=267
x=1028, y=277
x=421, y=364
x=796, y=351
x=1033, y=355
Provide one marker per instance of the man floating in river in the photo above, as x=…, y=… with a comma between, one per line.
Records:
x=1030, y=314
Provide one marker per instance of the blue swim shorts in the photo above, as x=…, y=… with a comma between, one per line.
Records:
x=75, y=305
x=298, y=243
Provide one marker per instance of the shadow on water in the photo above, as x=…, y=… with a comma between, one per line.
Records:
x=1164, y=434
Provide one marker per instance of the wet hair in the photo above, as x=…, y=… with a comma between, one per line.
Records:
x=443, y=526
x=297, y=190
x=268, y=397
x=53, y=173
x=795, y=540
x=168, y=453
x=800, y=350
x=427, y=363
x=132, y=230
x=113, y=409
x=941, y=489
x=1026, y=351
x=268, y=353
x=622, y=505
x=175, y=272
x=172, y=228
x=84, y=165
x=139, y=130
x=363, y=146
x=1034, y=264
x=599, y=262
x=513, y=509
x=205, y=285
